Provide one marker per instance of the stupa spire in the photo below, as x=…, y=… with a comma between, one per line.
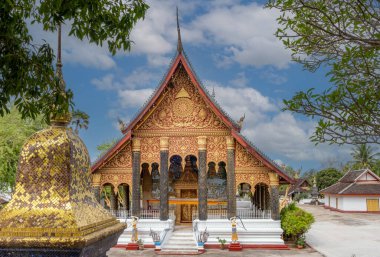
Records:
x=59, y=65
x=179, y=41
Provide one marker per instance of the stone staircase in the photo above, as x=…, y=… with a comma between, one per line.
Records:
x=181, y=242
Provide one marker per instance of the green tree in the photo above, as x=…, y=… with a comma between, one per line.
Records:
x=79, y=120
x=104, y=147
x=343, y=36
x=26, y=70
x=327, y=177
x=13, y=132
x=363, y=156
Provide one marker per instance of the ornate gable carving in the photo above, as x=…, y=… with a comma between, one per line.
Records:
x=244, y=159
x=123, y=159
x=182, y=107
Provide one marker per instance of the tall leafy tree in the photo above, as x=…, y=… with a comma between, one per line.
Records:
x=13, y=132
x=327, y=177
x=26, y=70
x=364, y=156
x=343, y=36
x=79, y=120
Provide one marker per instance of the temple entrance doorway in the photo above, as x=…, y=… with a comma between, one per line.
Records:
x=188, y=209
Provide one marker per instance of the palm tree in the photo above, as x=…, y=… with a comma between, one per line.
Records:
x=364, y=156
x=79, y=120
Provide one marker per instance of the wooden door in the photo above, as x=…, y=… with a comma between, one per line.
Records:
x=187, y=209
x=372, y=204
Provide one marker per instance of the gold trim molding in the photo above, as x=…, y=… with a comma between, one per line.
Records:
x=164, y=143
x=180, y=133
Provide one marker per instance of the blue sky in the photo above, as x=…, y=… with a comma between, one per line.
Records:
x=232, y=48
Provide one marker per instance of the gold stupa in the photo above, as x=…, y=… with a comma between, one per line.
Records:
x=53, y=205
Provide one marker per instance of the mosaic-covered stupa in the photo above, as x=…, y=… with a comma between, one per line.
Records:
x=53, y=211
x=53, y=208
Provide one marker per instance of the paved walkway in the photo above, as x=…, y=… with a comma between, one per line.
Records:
x=336, y=234
x=223, y=253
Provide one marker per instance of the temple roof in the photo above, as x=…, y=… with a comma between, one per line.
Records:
x=352, y=184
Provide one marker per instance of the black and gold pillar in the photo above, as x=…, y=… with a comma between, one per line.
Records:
x=274, y=195
x=113, y=200
x=231, y=198
x=164, y=178
x=96, y=186
x=136, y=155
x=202, y=178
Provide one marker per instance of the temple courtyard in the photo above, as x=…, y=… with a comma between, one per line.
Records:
x=336, y=234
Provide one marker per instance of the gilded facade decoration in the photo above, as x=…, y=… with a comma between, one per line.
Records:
x=123, y=159
x=115, y=179
x=251, y=178
x=183, y=146
x=182, y=107
x=245, y=159
x=150, y=150
x=216, y=149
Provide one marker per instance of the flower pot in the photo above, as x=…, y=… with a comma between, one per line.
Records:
x=300, y=246
x=222, y=247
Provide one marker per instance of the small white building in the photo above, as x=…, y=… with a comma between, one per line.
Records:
x=356, y=191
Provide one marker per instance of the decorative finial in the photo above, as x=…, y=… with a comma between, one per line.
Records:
x=59, y=65
x=122, y=125
x=179, y=43
x=213, y=92
x=240, y=122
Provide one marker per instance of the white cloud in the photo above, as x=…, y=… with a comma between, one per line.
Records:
x=134, y=98
x=74, y=50
x=247, y=32
x=136, y=79
x=270, y=129
x=273, y=77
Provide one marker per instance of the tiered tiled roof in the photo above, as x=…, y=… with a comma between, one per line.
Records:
x=350, y=184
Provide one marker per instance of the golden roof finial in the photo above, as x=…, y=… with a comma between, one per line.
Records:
x=179, y=43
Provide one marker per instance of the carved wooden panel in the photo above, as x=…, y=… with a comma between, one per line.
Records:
x=116, y=179
x=216, y=149
x=251, y=178
x=182, y=107
x=123, y=159
x=150, y=150
x=183, y=146
x=245, y=159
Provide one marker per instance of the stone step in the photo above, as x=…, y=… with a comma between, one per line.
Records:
x=182, y=237
x=178, y=252
x=182, y=247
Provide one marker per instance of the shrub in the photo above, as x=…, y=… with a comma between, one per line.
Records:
x=291, y=206
x=296, y=222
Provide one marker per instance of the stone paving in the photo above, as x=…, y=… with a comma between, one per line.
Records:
x=222, y=253
x=336, y=234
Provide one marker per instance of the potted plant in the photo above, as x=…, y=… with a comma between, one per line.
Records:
x=222, y=243
x=300, y=243
x=140, y=242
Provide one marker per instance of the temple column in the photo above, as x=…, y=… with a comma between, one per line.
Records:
x=96, y=186
x=202, y=178
x=164, y=178
x=231, y=198
x=274, y=195
x=113, y=202
x=125, y=197
x=136, y=156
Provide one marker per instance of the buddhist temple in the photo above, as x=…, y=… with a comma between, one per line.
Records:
x=182, y=158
